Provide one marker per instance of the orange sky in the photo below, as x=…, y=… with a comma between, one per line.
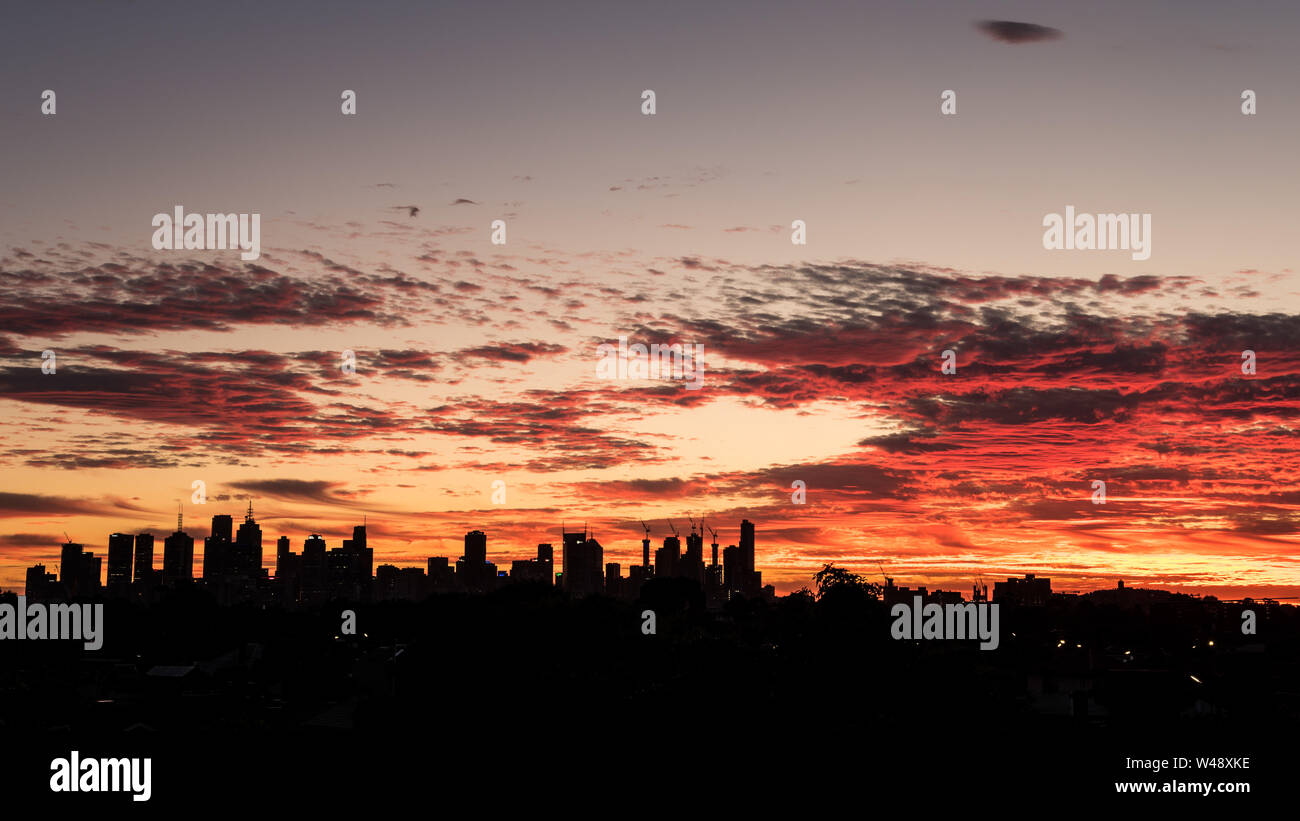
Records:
x=476, y=362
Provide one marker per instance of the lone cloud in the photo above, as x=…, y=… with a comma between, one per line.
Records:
x=1011, y=32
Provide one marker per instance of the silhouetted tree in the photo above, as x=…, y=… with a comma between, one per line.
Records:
x=836, y=581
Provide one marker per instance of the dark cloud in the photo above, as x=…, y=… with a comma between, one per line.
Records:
x=1011, y=32
x=908, y=443
x=145, y=297
x=294, y=490
x=30, y=540
x=30, y=504
x=512, y=352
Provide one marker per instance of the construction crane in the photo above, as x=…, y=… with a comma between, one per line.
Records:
x=645, y=547
x=692, y=520
x=671, y=526
x=888, y=581
x=715, y=546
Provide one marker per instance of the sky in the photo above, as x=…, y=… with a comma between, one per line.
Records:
x=476, y=363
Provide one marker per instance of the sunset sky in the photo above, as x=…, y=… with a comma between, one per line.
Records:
x=477, y=362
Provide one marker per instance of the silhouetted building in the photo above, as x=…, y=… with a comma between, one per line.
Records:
x=313, y=570
x=216, y=549
x=386, y=582
x=178, y=557
x=731, y=567
x=442, y=578
x=246, y=552
x=412, y=584
x=666, y=557
x=120, y=546
x=637, y=575
x=476, y=547
x=691, y=564
x=751, y=578
x=613, y=579
x=540, y=569
x=713, y=575
x=288, y=572
x=78, y=571
x=738, y=573
x=143, y=573
x=583, y=564
x=1027, y=592
x=40, y=585
x=283, y=554
x=350, y=567
x=392, y=582
x=473, y=570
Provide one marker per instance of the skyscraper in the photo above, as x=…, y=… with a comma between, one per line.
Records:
x=473, y=569
x=70, y=568
x=365, y=553
x=178, y=556
x=313, y=569
x=475, y=547
x=144, y=559
x=738, y=571
x=246, y=553
x=283, y=555
x=667, y=557
x=216, y=548
x=747, y=548
x=584, y=564
x=351, y=567
x=691, y=565
x=120, y=546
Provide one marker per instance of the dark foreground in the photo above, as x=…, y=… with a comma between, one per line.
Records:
x=525, y=699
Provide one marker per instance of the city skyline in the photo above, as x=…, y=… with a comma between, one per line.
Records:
x=128, y=555
x=233, y=567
